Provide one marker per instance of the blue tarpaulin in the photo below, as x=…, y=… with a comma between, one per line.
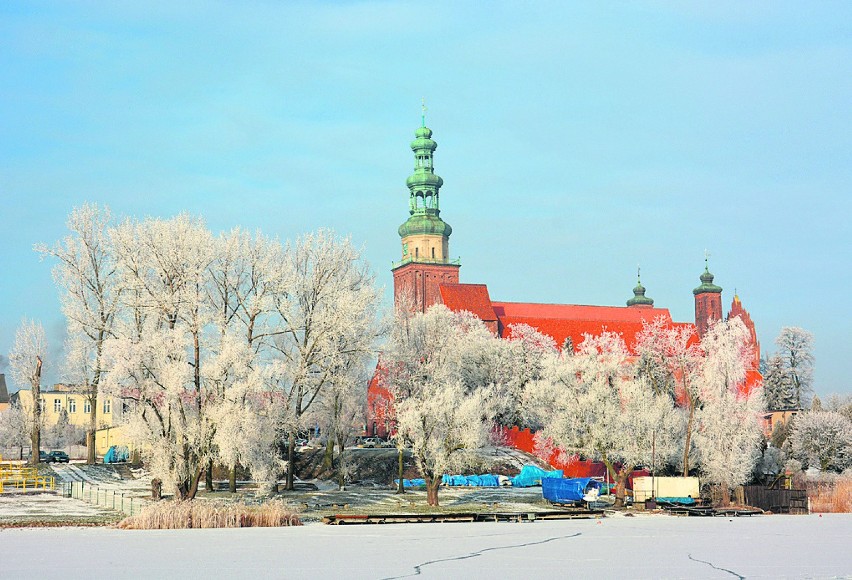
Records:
x=485, y=480
x=567, y=490
x=531, y=475
x=676, y=500
x=116, y=454
x=411, y=482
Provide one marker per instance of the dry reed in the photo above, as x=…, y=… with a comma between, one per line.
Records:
x=172, y=515
x=830, y=496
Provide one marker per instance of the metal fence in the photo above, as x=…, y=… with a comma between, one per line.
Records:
x=108, y=498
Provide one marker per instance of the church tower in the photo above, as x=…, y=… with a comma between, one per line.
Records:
x=425, y=263
x=639, y=299
x=708, y=301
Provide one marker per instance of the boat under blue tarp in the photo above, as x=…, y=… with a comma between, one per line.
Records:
x=567, y=490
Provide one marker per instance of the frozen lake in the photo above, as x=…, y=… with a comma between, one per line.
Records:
x=625, y=547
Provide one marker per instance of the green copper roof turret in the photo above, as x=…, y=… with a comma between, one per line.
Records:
x=639, y=298
x=424, y=189
x=707, y=285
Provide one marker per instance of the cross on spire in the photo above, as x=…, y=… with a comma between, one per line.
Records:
x=423, y=112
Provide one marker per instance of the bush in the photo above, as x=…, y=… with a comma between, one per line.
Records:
x=172, y=515
x=830, y=494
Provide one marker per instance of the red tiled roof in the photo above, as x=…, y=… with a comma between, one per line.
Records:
x=560, y=321
x=471, y=297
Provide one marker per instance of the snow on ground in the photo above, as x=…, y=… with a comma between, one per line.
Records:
x=640, y=547
x=45, y=507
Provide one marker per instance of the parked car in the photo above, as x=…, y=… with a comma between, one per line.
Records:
x=43, y=457
x=387, y=443
x=57, y=457
x=371, y=442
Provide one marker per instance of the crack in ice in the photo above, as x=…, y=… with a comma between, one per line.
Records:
x=418, y=567
x=731, y=572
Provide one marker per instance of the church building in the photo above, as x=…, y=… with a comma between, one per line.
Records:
x=426, y=276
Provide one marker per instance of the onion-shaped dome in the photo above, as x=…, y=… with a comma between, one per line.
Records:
x=425, y=223
x=421, y=178
x=423, y=140
x=707, y=285
x=639, y=298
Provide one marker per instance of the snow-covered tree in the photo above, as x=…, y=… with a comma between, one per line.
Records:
x=840, y=403
x=795, y=347
x=157, y=358
x=728, y=434
x=512, y=364
x=86, y=275
x=592, y=404
x=327, y=305
x=26, y=363
x=14, y=429
x=444, y=406
x=777, y=385
x=341, y=413
x=822, y=439
x=245, y=274
x=62, y=433
x=670, y=359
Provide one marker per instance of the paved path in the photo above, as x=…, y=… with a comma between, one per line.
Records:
x=638, y=547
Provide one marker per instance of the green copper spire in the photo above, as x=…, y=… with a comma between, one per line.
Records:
x=706, y=278
x=424, y=187
x=639, y=298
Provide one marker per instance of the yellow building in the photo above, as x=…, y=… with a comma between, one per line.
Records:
x=74, y=403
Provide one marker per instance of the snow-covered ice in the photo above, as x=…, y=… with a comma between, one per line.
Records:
x=637, y=547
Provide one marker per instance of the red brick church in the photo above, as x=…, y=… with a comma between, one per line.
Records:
x=426, y=276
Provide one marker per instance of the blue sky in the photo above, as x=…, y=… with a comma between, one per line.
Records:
x=575, y=141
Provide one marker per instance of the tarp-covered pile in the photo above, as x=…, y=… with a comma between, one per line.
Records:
x=569, y=490
x=485, y=480
x=116, y=454
x=531, y=475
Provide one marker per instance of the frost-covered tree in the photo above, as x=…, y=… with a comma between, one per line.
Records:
x=728, y=434
x=62, y=433
x=247, y=414
x=86, y=275
x=795, y=347
x=158, y=353
x=26, y=363
x=592, y=404
x=245, y=274
x=444, y=408
x=822, y=439
x=341, y=413
x=512, y=364
x=670, y=359
x=841, y=404
x=14, y=429
x=327, y=306
x=777, y=385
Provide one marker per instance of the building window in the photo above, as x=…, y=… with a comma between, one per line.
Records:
x=107, y=406
x=87, y=406
x=72, y=405
x=41, y=405
x=433, y=253
x=57, y=405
